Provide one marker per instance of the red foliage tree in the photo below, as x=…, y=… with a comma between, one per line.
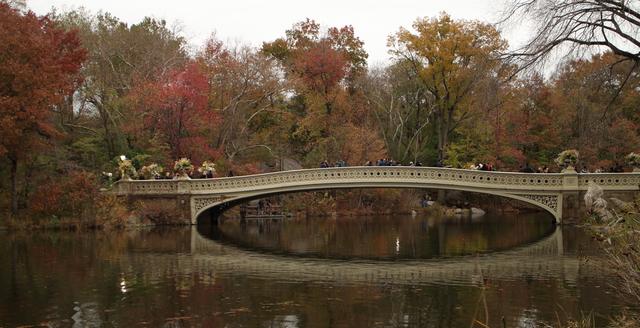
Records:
x=40, y=63
x=176, y=110
x=322, y=68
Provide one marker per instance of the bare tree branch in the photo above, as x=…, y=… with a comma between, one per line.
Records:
x=575, y=26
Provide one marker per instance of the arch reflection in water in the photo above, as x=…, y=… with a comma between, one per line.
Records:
x=383, y=237
x=541, y=259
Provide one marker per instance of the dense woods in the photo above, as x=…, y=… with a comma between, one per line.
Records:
x=79, y=89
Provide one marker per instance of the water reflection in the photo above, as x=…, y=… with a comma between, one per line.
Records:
x=542, y=259
x=181, y=278
x=385, y=237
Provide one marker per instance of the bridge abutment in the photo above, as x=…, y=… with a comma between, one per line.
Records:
x=572, y=207
x=570, y=196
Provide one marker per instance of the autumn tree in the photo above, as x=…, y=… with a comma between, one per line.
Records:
x=569, y=32
x=306, y=35
x=530, y=129
x=603, y=131
x=402, y=109
x=174, y=111
x=120, y=56
x=538, y=118
x=246, y=89
x=322, y=69
x=40, y=62
x=320, y=61
x=449, y=58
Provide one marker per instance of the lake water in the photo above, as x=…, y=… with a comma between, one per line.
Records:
x=393, y=271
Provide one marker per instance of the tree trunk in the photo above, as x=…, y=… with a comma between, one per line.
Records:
x=439, y=123
x=417, y=133
x=14, y=186
x=444, y=146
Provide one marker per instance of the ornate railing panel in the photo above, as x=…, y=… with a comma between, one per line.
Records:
x=610, y=181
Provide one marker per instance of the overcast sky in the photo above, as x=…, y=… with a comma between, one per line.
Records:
x=255, y=21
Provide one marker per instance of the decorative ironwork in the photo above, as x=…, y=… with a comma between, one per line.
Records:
x=203, y=202
x=550, y=201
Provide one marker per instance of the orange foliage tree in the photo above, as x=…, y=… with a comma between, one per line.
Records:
x=322, y=70
x=40, y=63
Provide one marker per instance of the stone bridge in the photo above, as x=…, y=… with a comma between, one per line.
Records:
x=556, y=193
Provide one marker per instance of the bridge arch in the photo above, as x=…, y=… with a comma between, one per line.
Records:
x=547, y=202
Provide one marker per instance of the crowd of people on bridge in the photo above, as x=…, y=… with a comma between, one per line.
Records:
x=615, y=168
x=209, y=172
x=528, y=169
x=392, y=162
x=483, y=167
x=340, y=163
x=380, y=162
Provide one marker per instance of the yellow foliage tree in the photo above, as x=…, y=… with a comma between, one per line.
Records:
x=449, y=58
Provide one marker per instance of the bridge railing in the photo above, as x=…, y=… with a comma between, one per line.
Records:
x=610, y=181
x=385, y=175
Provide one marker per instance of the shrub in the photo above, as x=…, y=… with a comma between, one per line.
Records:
x=159, y=212
x=126, y=168
x=183, y=166
x=567, y=158
x=69, y=196
x=151, y=171
x=207, y=167
x=110, y=211
x=633, y=159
